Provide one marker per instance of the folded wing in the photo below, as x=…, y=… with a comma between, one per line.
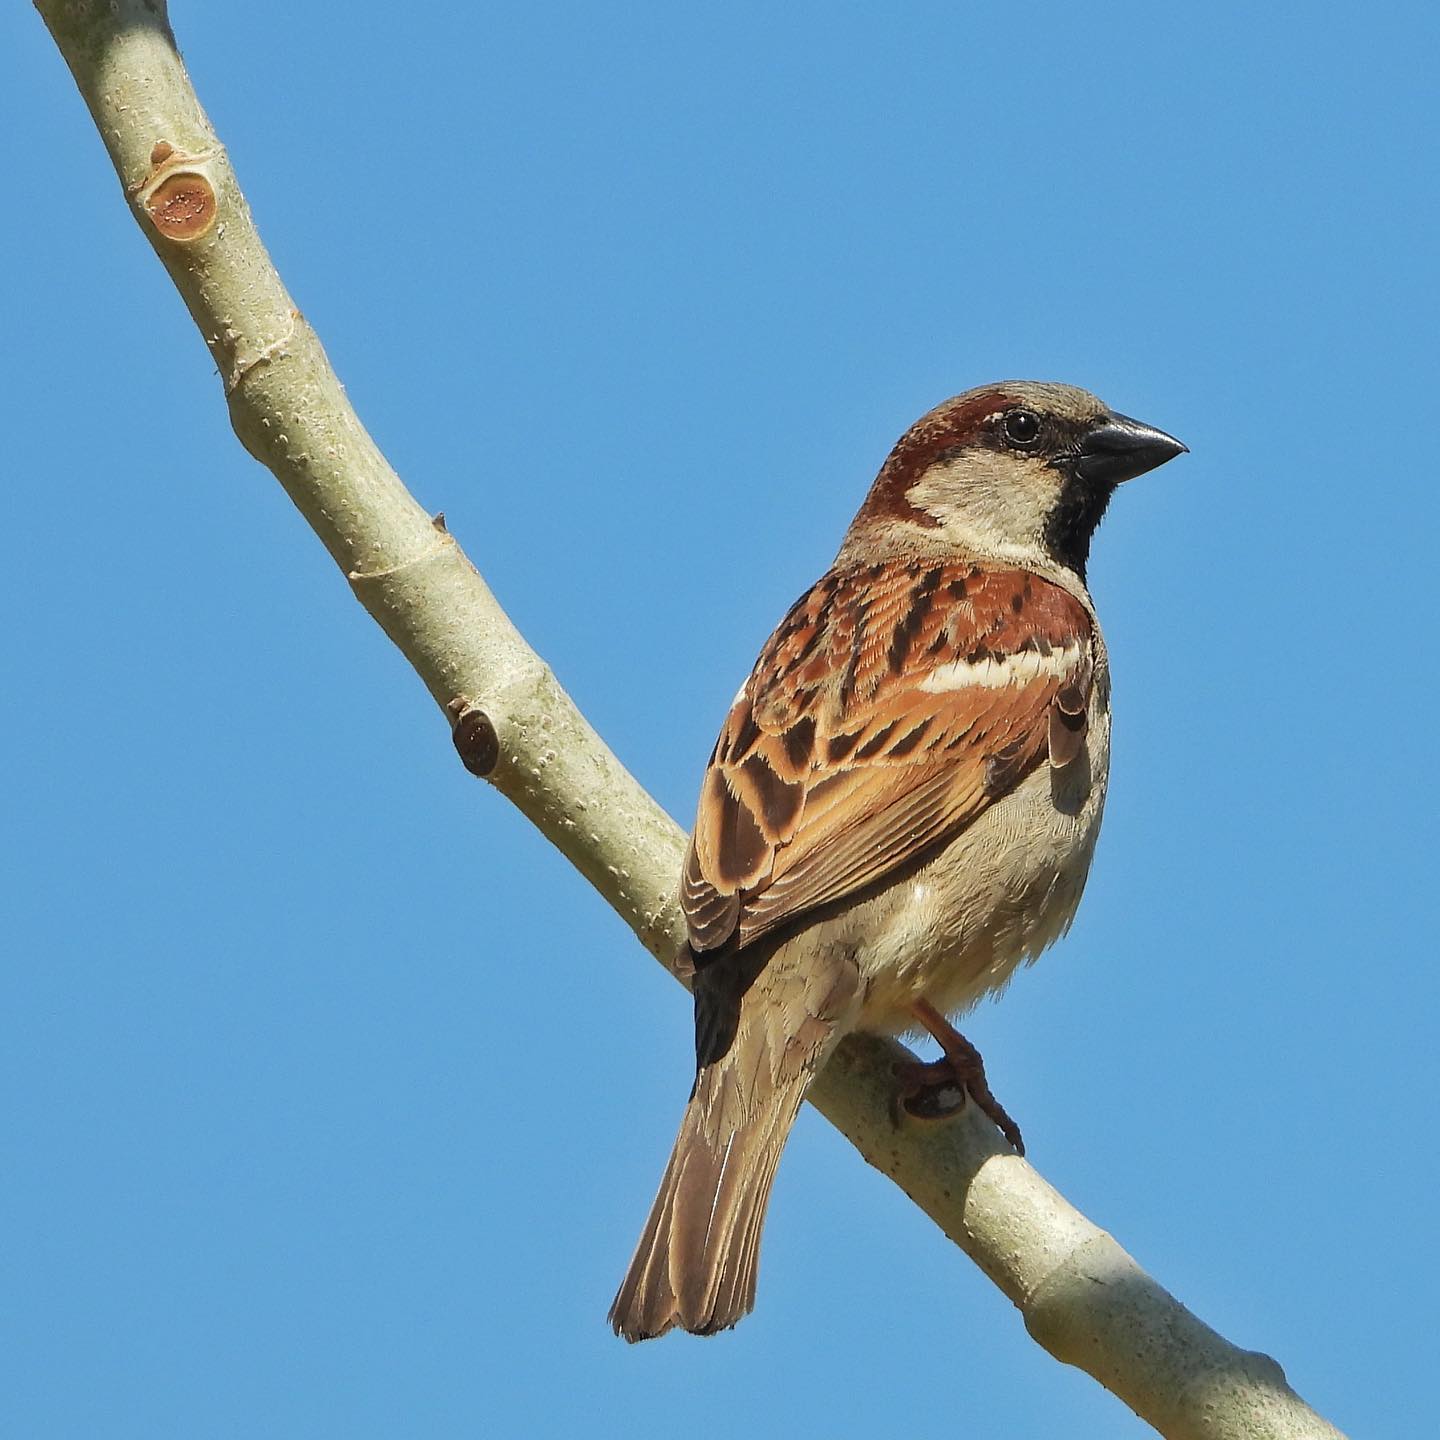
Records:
x=892, y=705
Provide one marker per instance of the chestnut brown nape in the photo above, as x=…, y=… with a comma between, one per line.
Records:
x=964, y=420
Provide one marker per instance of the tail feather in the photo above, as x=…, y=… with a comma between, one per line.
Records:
x=699, y=1253
x=698, y=1256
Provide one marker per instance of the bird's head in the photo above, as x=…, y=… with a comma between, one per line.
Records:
x=1019, y=471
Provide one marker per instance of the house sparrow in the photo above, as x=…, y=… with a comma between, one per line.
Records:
x=901, y=807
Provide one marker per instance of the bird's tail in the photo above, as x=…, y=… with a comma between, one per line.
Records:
x=699, y=1253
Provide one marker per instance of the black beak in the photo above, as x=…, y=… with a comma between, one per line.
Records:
x=1118, y=448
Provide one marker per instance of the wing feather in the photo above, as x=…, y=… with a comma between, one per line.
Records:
x=893, y=704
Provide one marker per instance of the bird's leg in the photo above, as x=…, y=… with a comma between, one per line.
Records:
x=961, y=1068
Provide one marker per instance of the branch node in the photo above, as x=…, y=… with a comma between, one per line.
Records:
x=243, y=364
x=444, y=543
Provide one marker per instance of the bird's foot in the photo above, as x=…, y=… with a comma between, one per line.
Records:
x=929, y=1089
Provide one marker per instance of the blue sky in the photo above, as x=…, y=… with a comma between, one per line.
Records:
x=641, y=300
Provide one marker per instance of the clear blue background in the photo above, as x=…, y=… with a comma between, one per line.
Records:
x=640, y=297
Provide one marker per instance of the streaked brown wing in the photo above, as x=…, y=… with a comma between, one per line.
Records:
x=893, y=704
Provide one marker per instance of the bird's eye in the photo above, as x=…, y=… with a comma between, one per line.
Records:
x=1022, y=428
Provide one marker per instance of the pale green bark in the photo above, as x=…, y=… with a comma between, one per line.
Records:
x=1083, y=1298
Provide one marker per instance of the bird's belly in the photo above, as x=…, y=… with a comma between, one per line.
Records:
x=997, y=895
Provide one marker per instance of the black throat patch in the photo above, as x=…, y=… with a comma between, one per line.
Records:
x=1074, y=519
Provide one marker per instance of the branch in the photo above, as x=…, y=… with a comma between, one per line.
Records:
x=1082, y=1297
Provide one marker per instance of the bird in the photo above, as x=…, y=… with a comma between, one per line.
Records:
x=901, y=807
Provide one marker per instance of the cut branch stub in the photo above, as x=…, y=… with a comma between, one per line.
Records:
x=476, y=741
x=178, y=194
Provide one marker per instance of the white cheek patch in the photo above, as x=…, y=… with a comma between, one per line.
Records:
x=996, y=671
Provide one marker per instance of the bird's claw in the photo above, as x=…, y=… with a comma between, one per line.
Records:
x=937, y=1089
